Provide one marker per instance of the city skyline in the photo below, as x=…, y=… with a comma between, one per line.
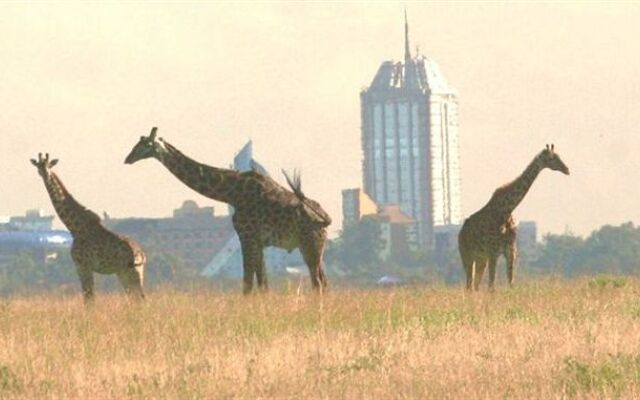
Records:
x=83, y=83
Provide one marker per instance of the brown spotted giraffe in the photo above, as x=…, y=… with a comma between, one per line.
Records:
x=265, y=213
x=491, y=230
x=94, y=248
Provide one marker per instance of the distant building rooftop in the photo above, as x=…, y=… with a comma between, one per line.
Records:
x=33, y=220
x=391, y=213
x=419, y=72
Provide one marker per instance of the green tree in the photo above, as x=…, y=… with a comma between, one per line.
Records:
x=613, y=249
x=360, y=244
x=561, y=254
x=21, y=274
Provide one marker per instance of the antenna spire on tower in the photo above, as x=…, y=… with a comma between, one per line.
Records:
x=407, y=52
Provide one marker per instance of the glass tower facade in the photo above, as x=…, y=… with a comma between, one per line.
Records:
x=410, y=142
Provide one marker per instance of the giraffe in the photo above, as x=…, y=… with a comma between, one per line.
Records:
x=265, y=213
x=491, y=231
x=94, y=248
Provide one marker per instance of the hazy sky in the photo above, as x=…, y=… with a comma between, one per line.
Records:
x=83, y=82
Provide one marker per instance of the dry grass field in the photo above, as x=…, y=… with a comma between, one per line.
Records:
x=542, y=339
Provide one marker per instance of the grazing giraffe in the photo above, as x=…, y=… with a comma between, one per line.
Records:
x=265, y=213
x=491, y=230
x=94, y=248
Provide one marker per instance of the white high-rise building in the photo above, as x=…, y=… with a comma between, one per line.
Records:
x=410, y=142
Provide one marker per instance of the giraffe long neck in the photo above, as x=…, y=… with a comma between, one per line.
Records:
x=216, y=183
x=74, y=215
x=507, y=198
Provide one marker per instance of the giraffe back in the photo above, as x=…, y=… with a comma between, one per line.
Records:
x=106, y=252
x=274, y=215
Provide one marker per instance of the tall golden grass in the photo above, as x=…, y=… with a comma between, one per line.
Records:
x=542, y=339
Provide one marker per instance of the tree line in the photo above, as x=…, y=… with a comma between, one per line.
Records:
x=611, y=250
x=353, y=258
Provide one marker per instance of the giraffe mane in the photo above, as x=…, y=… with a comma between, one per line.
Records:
x=312, y=208
x=504, y=187
x=173, y=149
x=295, y=183
x=507, y=186
x=75, y=203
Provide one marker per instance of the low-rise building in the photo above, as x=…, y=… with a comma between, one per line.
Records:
x=33, y=221
x=398, y=231
x=194, y=234
x=356, y=204
x=33, y=234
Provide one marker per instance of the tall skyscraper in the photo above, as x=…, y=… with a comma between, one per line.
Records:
x=410, y=142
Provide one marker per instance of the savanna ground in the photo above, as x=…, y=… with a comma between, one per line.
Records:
x=542, y=339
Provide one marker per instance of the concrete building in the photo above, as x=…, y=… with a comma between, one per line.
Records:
x=409, y=122
x=398, y=231
x=194, y=234
x=33, y=221
x=355, y=205
x=33, y=234
x=43, y=246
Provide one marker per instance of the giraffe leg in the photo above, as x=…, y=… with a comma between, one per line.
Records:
x=247, y=279
x=261, y=271
x=512, y=258
x=312, y=254
x=322, y=277
x=471, y=272
x=320, y=245
x=251, y=258
x=481, y=264
x=86, y=281
x=131, y=280
x=467, y=264
x=492, y=273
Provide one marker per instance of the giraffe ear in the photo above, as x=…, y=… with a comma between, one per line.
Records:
x=34, y=162
x=53, y=162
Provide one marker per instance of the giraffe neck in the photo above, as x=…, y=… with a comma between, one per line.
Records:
x=216, y=183
x=73, y=215
x=507, y=198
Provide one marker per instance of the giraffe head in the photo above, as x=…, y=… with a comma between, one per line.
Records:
x=550, y=159
x=147, y=146
x=44, y=164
